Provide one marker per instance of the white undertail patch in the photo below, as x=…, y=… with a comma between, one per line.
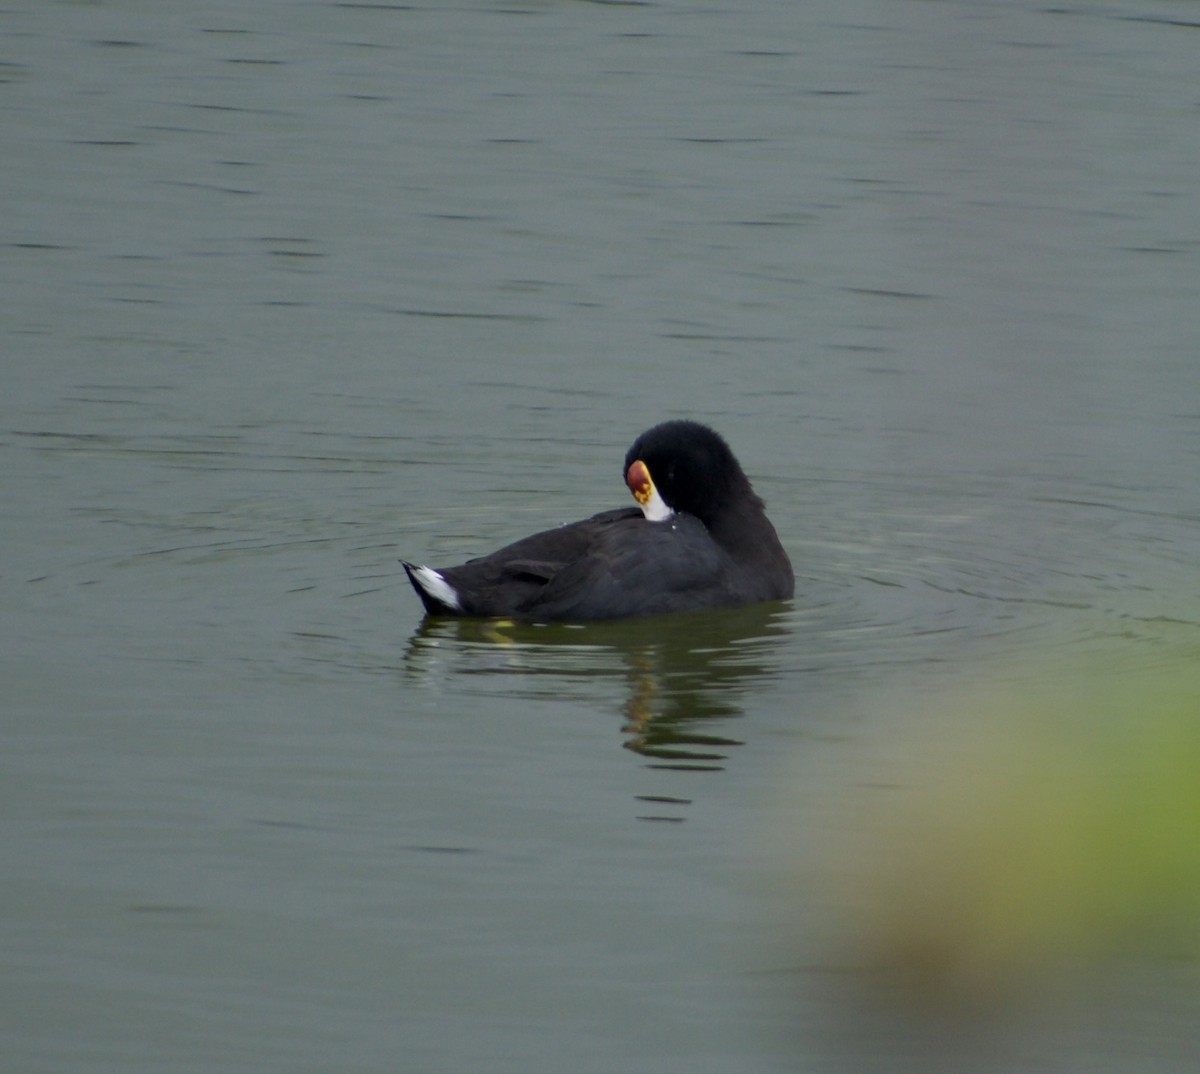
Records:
x=437, y=587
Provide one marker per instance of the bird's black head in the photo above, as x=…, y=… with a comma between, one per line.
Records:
x=692, y=469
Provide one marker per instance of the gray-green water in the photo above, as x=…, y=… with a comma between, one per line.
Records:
x=293, y=289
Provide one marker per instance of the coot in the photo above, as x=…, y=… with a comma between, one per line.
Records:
x=699, y=539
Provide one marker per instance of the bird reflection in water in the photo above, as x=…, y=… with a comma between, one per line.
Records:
x=663, y=724
x=677, y=673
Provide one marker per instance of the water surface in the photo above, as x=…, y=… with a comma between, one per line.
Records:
x=295, y=289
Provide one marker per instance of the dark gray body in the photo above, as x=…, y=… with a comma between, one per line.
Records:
x=617, y=564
